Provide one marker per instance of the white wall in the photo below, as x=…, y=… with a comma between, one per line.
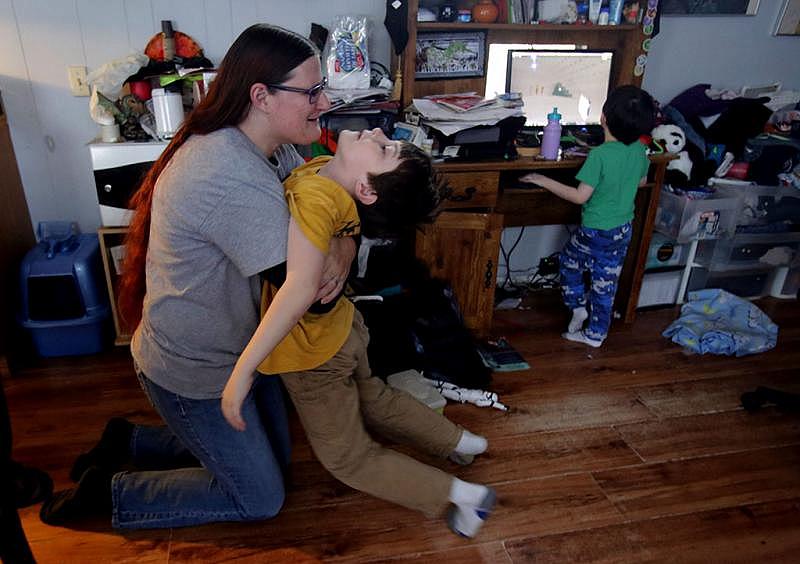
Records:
x=724, y=51
x=40, y=38
x=50, y=127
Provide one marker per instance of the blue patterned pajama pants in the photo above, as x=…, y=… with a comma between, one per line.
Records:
x=600, y=252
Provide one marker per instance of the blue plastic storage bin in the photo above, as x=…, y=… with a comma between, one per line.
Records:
x=64, y=304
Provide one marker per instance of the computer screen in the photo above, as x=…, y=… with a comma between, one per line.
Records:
x=575, y=82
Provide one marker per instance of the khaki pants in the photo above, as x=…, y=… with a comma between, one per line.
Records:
x=339, y=400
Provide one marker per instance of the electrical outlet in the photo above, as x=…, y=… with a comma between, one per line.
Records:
x=77, y=81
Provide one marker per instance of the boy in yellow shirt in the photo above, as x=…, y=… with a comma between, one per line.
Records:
x=322, y=355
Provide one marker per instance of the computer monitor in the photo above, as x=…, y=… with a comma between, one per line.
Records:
x=576, y=82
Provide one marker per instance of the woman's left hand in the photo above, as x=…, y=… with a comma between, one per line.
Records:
x=337, y=267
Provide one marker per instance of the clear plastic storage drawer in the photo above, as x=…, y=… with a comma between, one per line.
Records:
x=684, y=219
x=749, y=251
x=763, y=205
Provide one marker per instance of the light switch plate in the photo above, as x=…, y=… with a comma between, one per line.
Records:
x=77, y=80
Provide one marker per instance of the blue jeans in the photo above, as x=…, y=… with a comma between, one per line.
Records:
x=600, y=252
x=241, y=477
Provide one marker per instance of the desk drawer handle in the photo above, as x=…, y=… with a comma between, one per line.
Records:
x=468, y=193
x=487, y=277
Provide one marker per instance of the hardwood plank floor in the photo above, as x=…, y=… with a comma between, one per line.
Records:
x=635, y=452
x=749, y=533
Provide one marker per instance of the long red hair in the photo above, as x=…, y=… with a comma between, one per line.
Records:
x=261, y=54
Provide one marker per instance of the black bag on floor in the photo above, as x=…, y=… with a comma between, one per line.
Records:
x=421, y=328
x=418, y=324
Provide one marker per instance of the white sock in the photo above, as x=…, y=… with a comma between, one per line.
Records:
x=473, y=504
x=467, y=493
x=579, y=337
x=471, y=444
x=579, y=315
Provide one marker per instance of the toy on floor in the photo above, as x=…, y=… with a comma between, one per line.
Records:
x=481, y=398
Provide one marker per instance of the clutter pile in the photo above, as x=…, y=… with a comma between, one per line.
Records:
x=753, y=135
x=144, y=95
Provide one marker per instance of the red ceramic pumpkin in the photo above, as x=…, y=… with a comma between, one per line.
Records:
x=484, y=11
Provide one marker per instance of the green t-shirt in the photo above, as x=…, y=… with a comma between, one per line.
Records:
x=614, y=170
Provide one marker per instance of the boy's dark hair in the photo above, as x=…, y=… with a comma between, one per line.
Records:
x=407, y=195
x=630, y=113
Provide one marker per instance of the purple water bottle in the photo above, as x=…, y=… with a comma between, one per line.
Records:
x=551, y=140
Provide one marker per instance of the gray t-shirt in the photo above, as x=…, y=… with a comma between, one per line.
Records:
x=219, y=218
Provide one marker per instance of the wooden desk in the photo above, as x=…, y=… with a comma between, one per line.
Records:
x=463, y=245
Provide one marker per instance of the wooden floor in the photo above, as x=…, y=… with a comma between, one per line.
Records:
x=636, y=452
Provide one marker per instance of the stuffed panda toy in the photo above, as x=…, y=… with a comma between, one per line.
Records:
x=672, y=140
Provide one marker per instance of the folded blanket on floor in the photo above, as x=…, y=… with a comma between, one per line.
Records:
x=714, y=321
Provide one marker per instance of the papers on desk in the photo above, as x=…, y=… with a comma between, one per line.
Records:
x=465, y=102
x=449, y=122
x=357, y=100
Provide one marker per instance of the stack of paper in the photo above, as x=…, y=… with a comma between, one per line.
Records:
x=469, y=112
x=461, y=102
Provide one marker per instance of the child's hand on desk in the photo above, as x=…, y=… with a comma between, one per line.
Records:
x=533, y=178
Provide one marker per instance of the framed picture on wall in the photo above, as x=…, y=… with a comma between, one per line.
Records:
x=789, y=20
x=709, y=7
x=450, y=54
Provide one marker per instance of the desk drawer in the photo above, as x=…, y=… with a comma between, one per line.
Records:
x=472, y=189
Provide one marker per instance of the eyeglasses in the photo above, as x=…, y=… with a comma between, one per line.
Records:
x=313, y=93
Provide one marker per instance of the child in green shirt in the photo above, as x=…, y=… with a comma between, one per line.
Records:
x=608, y=180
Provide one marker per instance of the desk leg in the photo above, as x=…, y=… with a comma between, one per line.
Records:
x=646, y=214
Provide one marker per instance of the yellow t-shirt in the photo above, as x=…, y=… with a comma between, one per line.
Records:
x=322, y=210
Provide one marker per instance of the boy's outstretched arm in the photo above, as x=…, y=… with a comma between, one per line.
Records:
x=304, y=264
x=577, y=195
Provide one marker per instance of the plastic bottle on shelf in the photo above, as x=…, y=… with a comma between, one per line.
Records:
x=551, y=138
x=615, y=12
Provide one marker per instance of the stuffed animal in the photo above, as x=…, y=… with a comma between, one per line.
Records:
x=671, y=139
